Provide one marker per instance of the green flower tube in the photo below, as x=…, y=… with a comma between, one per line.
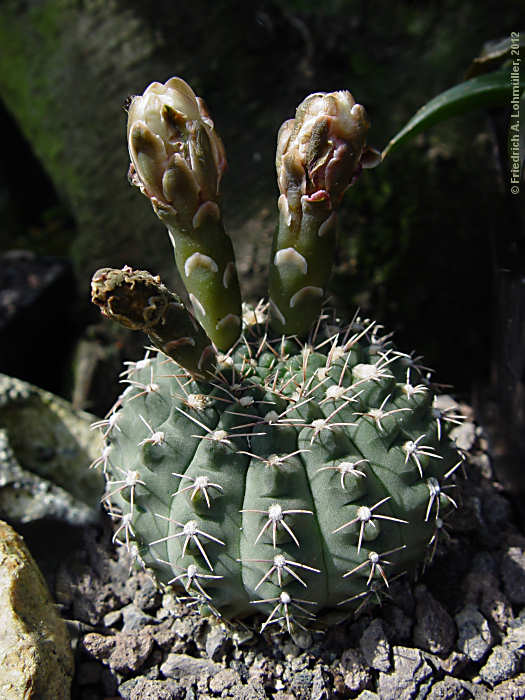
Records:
x=319, y=155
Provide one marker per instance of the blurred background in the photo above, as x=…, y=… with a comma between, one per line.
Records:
x=431, y=242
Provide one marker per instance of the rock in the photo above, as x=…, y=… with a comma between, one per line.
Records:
x=464, y=435
x=99, y=646
x=434, y=630
x=143, y=590
x=375, y=646
x=46, y=476
x=112, y=618
x=223, y=680
x=355, y=675
x=253, y=690
x=515, y=637
x=447, y=689
x=453, y=664
x=513, y=571
x=510, y=690
x=188, y=667
x=124, y=652
x=474, y=636
x=477, y=691
x=36, y=662
x=497, y=511
x=399, y=624
x=218, y=641
x=320, y=685
x=134, y=618
x=500, y=666
x=144, y=689
x=410, y=672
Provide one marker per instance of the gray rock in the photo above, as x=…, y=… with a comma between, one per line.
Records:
x=183, y=666
x=355, y=675
x=135, y=619
x=99, y=646
x=447, y=689
x=368, y=695
x=46, y=476
x=500, y=666
x=477, y=691
x=218, y=641
x=375, y=646
x=399, y=628
x=253, y=690
x=434, y=630
x=515, y=637
x=510, y=690
x=143, y=590
x=144, y=689
x=410, y=672
x=320, y=685
x=474, y=636
x=112, y=618
x=224, y=680
x=26, y=497
x=513, y=571
x=464, y=435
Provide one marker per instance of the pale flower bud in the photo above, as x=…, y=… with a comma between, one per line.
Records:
x=177, y=159
x=322, y=150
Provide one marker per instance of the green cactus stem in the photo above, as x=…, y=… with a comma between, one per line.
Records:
x=319, y=155
x=177, y=160
x=300, y=479
x=139, y=301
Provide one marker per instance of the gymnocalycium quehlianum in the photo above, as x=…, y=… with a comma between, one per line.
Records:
x=265, y=459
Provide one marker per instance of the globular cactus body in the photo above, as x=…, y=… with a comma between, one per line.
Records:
x=299, y=478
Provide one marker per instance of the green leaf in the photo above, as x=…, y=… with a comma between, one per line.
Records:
x=494, y=53
x=483, y=91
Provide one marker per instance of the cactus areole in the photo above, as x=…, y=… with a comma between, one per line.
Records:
x=268, y=460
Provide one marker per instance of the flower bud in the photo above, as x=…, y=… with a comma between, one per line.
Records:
x=137, y=300
x=177, y=159
x=322, y=150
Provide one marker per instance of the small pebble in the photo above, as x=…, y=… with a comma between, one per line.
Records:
x=410, y=672
x=513, y=571
x=356, y=675
x=375, y=646
x=500, y=666
x=447, y=689
x=434, y=630
x=474, y=636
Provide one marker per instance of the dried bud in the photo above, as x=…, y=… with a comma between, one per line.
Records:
x=139, y=301
x=322, y=150
x=177, y=159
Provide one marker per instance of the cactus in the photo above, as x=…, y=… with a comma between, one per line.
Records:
x=308, y=465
